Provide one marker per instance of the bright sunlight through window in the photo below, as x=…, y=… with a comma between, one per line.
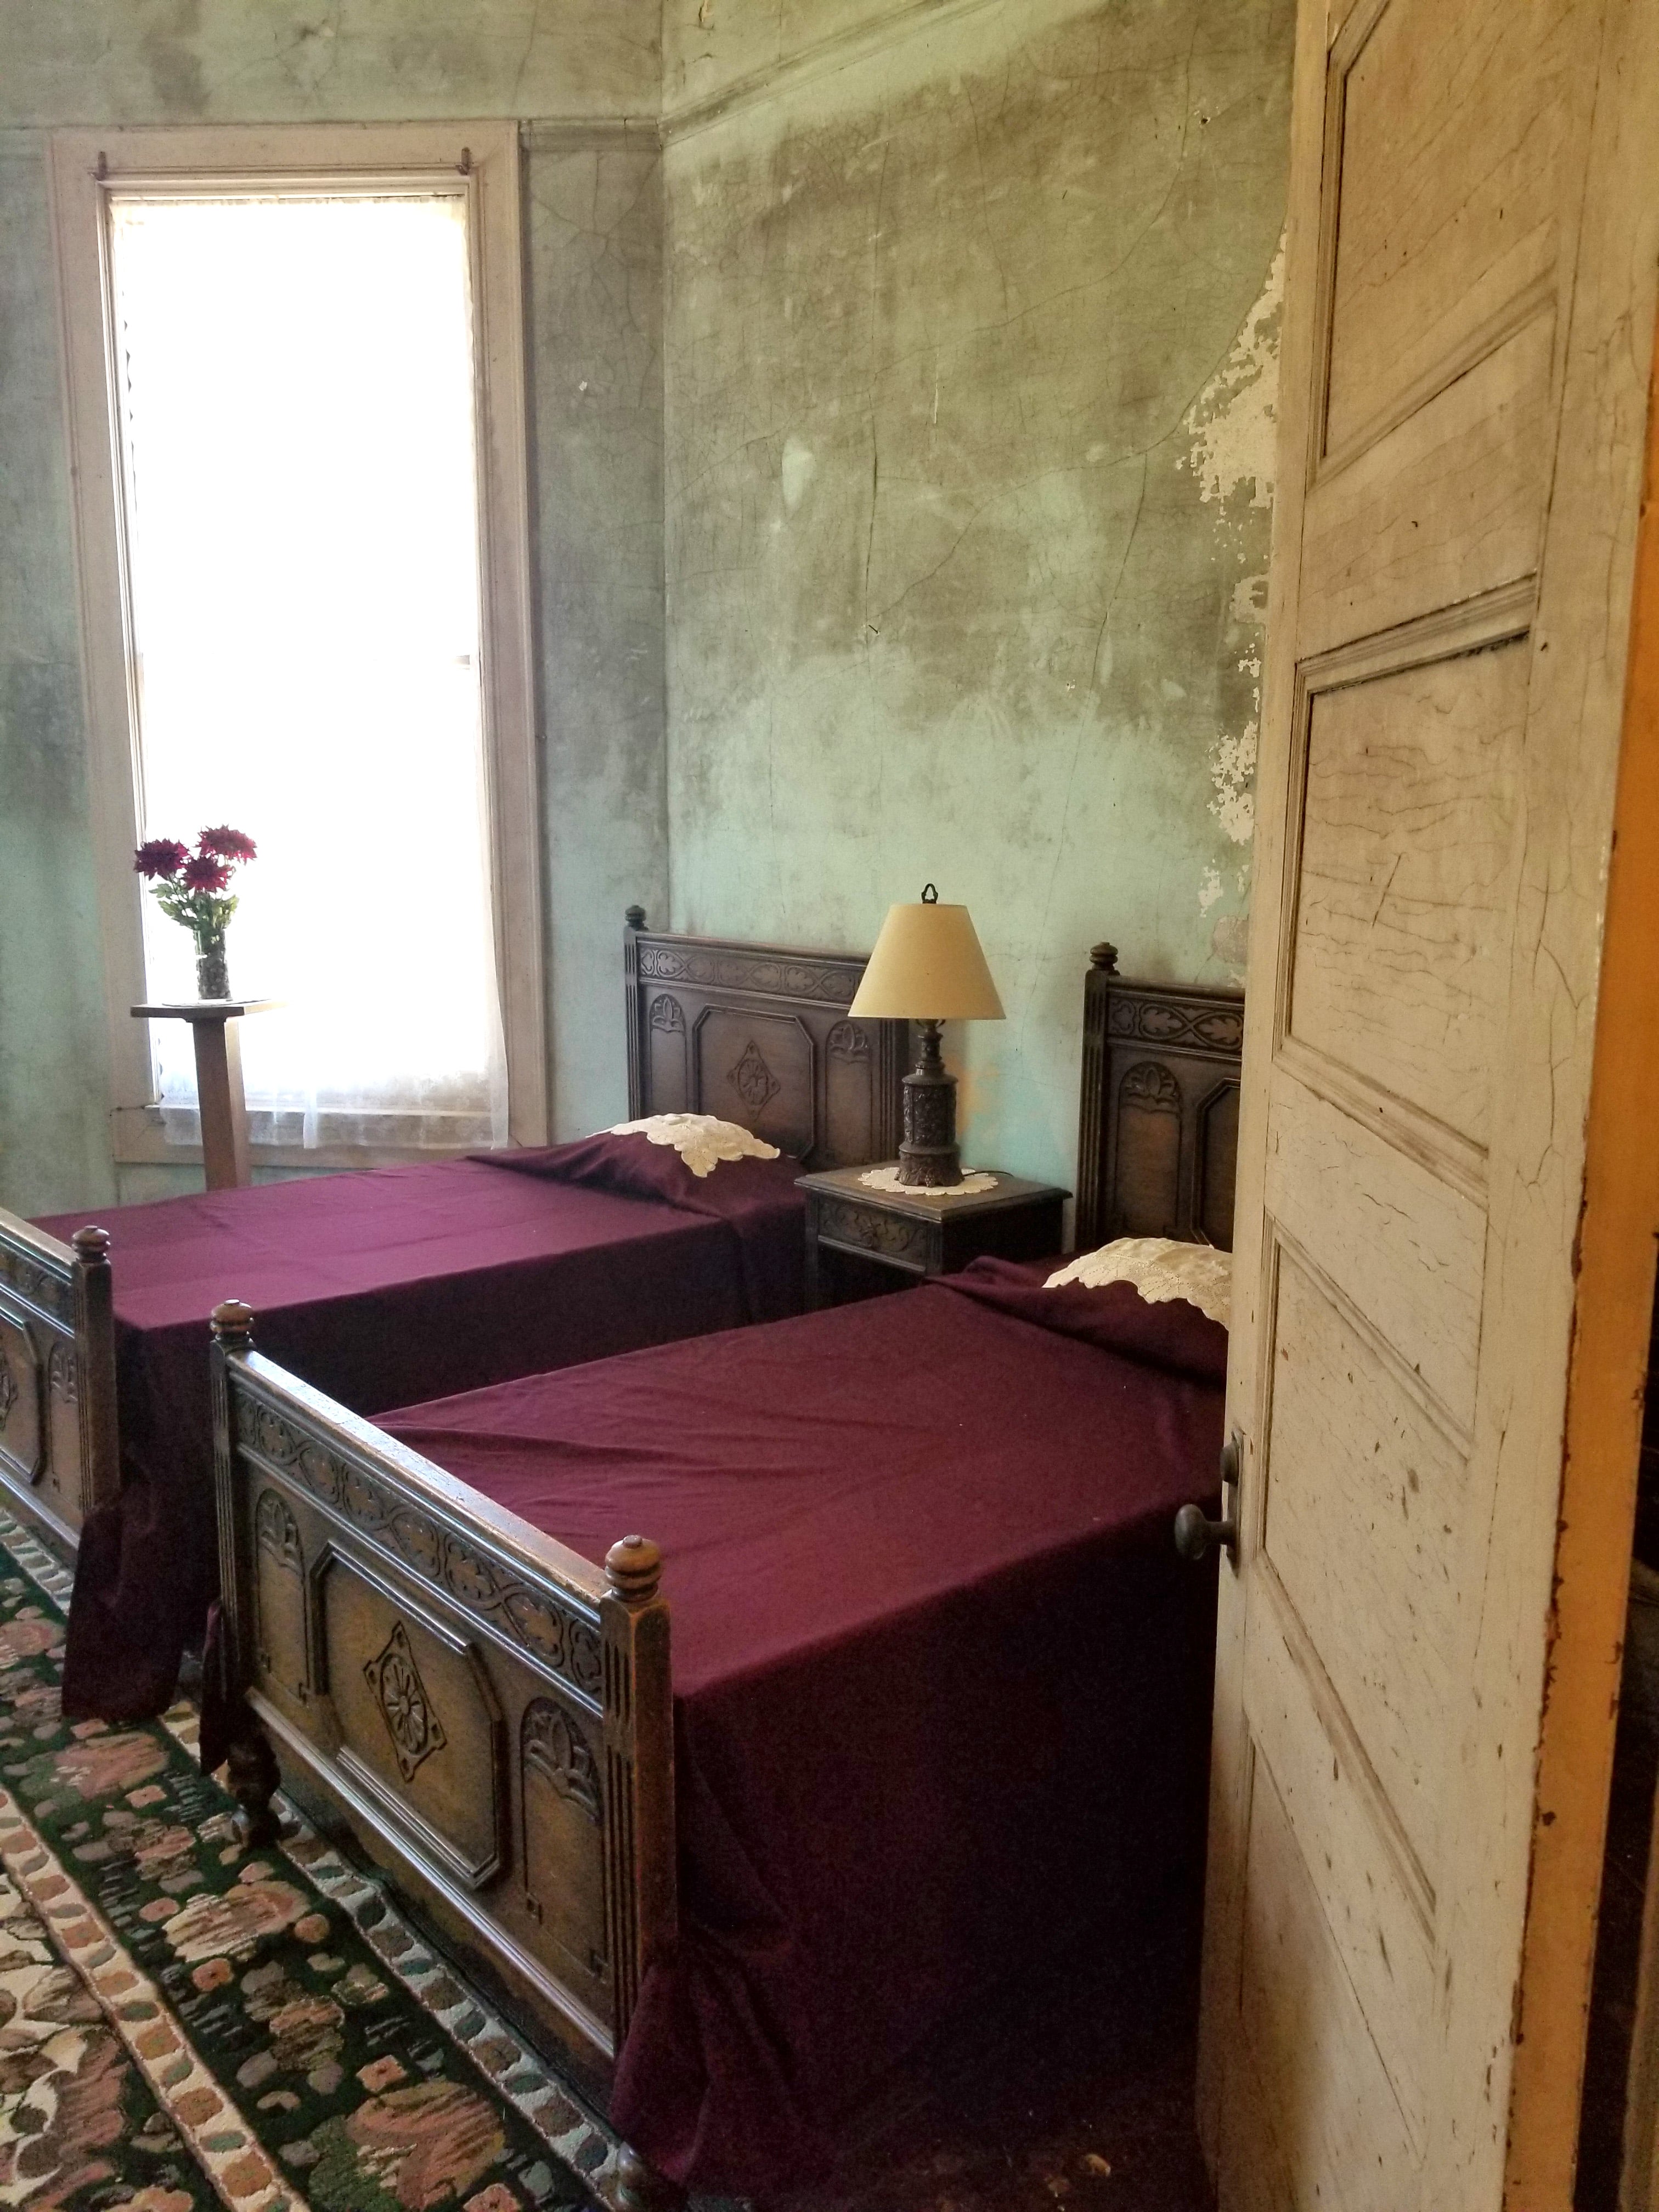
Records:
x=295, y=385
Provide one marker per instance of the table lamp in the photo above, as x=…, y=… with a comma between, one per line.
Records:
x=928, y=968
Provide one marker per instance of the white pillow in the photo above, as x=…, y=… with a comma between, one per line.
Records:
x=702, y=1140
x=1160, y=1269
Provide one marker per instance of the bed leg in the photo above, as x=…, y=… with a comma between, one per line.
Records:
x=640, y=2188
x=253, y=1780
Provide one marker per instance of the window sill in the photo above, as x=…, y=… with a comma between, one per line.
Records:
x=140, y=1141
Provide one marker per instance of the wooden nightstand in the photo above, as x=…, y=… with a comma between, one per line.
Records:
x=855, y=1236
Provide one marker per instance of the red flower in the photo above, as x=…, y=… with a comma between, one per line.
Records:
x=204, y=873
x=160, y=856
x=229, y=844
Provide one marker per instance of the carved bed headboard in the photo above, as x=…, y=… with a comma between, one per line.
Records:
x=759, y=1034
x=1159, y=1142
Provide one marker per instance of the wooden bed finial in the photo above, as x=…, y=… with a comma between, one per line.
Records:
x=636, y=917
x=1104, y=956
x=93, y=1245
x=233, y=1325
x=640, y=2188
x=254, y=1778
x=635, y=1567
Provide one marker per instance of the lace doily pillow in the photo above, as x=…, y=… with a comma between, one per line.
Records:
x=702, y=1140
x=1160, y=1269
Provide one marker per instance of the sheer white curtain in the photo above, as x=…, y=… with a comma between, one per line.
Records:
x=296, y=389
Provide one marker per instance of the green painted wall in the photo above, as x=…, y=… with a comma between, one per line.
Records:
x=54, y=1146
x=594, y=231
x=934, y=359
x=594, y=221
x=970, y=351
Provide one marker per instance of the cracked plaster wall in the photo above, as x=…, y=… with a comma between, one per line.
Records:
x=971, y=356
x=594, y=232
x=711, y=48
x=970, y=349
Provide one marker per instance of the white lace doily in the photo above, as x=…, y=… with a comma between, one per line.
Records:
x=888, y=1179
x=702, y=1140
x=1160, y=1270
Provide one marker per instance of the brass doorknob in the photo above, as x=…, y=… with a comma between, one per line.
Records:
x=1196, y=1537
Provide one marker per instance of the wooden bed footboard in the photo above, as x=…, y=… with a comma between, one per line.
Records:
x=491, y=1713
x=59, y=1453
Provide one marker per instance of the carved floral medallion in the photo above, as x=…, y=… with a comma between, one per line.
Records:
x=535, y=1618
x=415, y=1730
x=752, y=1080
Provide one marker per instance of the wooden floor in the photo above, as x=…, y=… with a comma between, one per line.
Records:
x=1077, y=2095
x=1624, y=1884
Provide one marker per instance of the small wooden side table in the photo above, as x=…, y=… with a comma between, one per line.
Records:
x=912, y=1237
x=218, y=1078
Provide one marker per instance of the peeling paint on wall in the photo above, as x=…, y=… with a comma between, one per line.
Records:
x=967, y=536
x=1233, y=427
x=1232, y=771
x=965, y=527
x=1230, y=939
x=1234, y=422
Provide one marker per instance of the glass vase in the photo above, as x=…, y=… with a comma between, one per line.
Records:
x=212, y=971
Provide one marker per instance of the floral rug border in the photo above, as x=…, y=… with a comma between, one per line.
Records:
x=223, y=2144
x=574, y=2137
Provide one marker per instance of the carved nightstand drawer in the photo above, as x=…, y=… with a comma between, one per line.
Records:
x=859, y=1241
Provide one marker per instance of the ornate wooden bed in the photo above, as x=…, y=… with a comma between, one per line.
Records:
x=492, y=1714
x=1158, y=1131
x=755, y=1033
x=59, y=1450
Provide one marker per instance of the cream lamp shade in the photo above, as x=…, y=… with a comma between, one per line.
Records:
x=928, y=966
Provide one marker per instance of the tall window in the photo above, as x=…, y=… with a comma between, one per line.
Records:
x=298, y=492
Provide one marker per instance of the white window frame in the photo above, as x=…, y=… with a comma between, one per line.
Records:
x=86, y=166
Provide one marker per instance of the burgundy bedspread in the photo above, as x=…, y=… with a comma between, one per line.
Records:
x=942, y=1686
x=753, y=1195
x=377, y=1287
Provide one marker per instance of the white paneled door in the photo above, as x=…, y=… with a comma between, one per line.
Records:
x=1473, y=226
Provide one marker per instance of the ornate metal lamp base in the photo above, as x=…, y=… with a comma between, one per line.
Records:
x=929, y=1156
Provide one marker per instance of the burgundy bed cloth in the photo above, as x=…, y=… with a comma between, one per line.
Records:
x=378, y=1287
x=942, y=1684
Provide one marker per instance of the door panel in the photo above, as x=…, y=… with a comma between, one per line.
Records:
x=1379, y=1922
x=1324, y=2100
x=1406, y=871
x=1403, y=1246
x=1263, y=2179
x=1363, y=1492
x=1441, y=219
x=1449, y=504
x=1440, y=737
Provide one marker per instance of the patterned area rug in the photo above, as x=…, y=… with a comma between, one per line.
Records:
x=184, y=2023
